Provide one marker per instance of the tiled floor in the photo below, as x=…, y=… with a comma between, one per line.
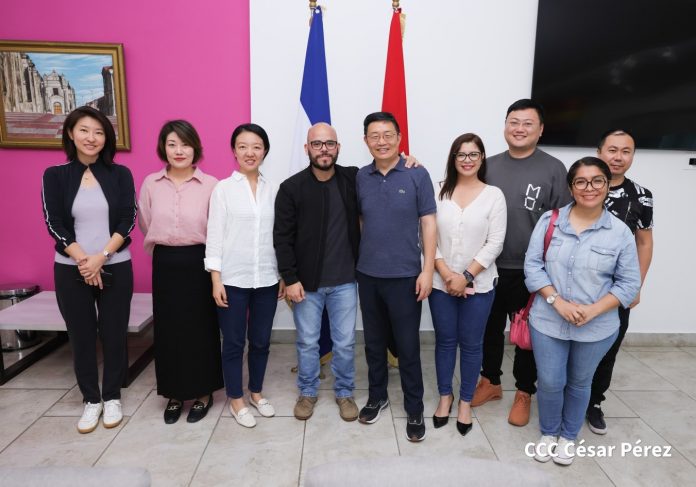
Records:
x=652, y=403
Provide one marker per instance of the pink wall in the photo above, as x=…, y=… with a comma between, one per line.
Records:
x=182, y=60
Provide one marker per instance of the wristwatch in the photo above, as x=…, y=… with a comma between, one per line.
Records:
x=107, y=254
x=468, y=276
x=552, y=299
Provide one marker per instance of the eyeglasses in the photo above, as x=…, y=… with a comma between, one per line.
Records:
x=462, y=156
x=515, y=124
x=387, y=136
x=318, y=144
x=596, y=183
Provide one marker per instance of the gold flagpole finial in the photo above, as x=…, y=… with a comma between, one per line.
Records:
x=312, y=8
x=395, y=4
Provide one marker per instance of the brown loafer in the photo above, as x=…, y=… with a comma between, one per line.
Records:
x=485, y=391
x=519, y=413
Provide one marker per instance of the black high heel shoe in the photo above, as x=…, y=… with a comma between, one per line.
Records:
x=464, y=428
x=440, y=421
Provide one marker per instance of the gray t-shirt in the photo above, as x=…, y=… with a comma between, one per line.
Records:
x=339, y=264
x=91, y=213
x=532, y=186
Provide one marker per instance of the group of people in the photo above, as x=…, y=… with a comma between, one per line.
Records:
x=225, y=252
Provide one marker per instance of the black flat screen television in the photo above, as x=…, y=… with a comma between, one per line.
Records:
x=631, y=64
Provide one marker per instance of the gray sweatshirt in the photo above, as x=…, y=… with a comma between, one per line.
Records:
x=532, y=186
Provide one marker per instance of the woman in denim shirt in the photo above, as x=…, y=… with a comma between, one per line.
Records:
x=591, y=267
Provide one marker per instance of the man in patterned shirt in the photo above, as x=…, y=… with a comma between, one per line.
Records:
x=632, y=204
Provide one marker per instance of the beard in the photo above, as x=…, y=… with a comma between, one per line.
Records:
x=313, y=160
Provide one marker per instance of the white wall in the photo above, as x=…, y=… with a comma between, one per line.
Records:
x=466, y=61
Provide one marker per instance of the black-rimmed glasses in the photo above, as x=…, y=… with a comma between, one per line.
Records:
x=318, y=144
x=472, y=156
x=596, y=183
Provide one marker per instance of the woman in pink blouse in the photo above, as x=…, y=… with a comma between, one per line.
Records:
x=174, y=218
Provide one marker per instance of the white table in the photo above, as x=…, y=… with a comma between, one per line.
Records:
x=40, y=312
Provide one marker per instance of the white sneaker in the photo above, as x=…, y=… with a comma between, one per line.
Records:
x=90, y=417
x=112, y=413
x=544, y=448
x=243, y=417
x=263, y=407
x=565, y=451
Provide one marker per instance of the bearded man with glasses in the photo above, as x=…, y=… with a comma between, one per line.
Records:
x=316, y=236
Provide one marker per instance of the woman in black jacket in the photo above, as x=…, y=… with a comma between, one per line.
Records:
x=89, y=208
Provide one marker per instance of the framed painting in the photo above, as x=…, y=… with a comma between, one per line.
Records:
x=42, y=82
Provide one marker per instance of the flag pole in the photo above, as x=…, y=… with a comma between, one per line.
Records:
x=396, y=6
x=314, y=108
x=394, y=96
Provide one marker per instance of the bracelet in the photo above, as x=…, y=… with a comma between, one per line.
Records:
x=468, y=276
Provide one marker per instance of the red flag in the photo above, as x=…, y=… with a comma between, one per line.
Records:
x=394, y=97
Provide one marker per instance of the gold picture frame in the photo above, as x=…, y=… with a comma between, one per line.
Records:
x=41, y=82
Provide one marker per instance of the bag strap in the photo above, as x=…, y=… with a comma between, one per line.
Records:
x=525, y=310
x=549, y=230
x=547, y=241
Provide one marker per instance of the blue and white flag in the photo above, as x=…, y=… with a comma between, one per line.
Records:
x=314, y=108
x=314, y=95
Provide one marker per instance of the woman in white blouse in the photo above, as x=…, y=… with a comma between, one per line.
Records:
x=242, y=263
x=471, y=222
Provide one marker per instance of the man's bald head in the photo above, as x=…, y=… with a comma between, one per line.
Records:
x=321, y=131
x=322, y=147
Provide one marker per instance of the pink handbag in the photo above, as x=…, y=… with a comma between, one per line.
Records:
x=519, y=324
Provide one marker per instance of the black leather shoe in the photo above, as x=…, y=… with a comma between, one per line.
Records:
x=440, y=421
x=464, y=428
x=173, y=411
x=199, y=410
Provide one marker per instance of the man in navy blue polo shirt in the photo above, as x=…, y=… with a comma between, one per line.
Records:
x=398, y=215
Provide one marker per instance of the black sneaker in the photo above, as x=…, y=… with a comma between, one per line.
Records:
x=595, y=420
x=370, y=413
x=415, y=427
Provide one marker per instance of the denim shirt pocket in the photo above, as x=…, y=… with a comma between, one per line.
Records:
x=552, y=253
x=602, y=259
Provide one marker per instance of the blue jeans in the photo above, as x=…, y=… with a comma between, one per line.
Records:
x=249, y=314
x=564, y=379
x=459, y=322
x=341, y=303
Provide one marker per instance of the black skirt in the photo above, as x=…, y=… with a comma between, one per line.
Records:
x=187, y=336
